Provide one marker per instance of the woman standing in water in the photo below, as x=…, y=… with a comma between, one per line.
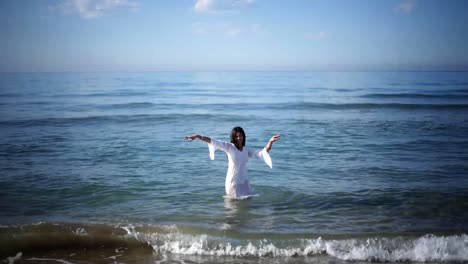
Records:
x=237, y=183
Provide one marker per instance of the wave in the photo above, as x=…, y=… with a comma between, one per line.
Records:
x=11, y=94
x=117, y=93
x=170, y=239
x=347, y=89
x=91, y=94
x=183, y=112
x=425, y=248
x=370, y=106
x=430, y=84
x=331, y=106
x=116, y=119
x=128, y=105
x=461, y=90
x=415, y=95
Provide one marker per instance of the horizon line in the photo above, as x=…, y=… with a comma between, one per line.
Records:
x=409, y=67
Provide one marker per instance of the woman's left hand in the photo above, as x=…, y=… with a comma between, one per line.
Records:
x=275, y=137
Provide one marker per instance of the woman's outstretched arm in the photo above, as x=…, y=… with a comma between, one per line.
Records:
x=200, y=137
x=270, y=142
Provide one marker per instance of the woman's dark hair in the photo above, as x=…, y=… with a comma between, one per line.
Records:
x=233, y=134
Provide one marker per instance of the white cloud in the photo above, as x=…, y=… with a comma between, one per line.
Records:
x=316, y=35
x=407, y=6
x=96, y=8
x=221, y=6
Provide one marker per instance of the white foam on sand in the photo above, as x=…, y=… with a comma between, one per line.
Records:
x=50, y=259
x=12, y=260
x=421, y=249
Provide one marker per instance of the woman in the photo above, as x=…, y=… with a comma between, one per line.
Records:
x=237, y=183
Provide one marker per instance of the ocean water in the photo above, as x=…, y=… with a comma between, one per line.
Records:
x=371, y=166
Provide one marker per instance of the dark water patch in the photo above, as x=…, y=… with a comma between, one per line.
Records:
x=391, y=209
x=117, y=93
x=464, y=90
x=117, y=119
x=414, y=95
x=369, y=106
x=438, y=147
x=73, y=238
x=91, y=94
x=178, y=84
x=340, y=90
x=20, y=149
x=451, y=127
x=27, y=104
x=138, y=105
x=347, y=89
x=12, y=95
x=208, y=94
x=430, y=84
x=37, y=103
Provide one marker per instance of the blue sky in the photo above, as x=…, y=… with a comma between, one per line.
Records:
x=134, y=35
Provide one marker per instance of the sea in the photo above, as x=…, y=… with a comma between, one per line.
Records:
x=370, y=167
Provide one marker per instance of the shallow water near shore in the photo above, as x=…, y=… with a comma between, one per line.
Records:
x=371, y=166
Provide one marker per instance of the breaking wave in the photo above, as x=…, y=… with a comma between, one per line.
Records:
x=424, y=248
x=169, y=239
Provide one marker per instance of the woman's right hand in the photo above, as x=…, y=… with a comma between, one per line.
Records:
x=192, y=137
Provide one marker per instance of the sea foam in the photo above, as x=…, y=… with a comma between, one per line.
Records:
x=421, y=249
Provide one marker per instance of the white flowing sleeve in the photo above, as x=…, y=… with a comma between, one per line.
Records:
x=263, y=155
x=217, y=144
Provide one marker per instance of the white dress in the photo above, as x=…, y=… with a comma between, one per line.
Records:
x=237, y=183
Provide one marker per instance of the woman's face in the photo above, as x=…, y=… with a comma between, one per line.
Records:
x=239, y=139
